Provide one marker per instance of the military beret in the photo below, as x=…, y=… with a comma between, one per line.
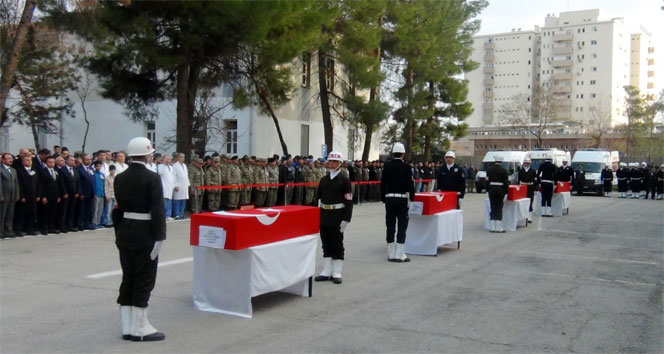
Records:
x=234, y=158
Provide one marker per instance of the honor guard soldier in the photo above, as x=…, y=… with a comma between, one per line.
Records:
x=140, y=229
x=607, y=179
x=213, y=177
x=565, y=173
x=261, y=179
x=273, y=180
x=309, y=177
x=635, y=180
x=197, y=179
x=528, y=178
x=335, y=198
x=643, y=191
x=659, y=178
x=397, y=190
x=622, y=174
x=498, y=184
x=546, y=176
x=451, y=178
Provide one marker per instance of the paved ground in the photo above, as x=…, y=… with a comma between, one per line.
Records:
x=588, y=282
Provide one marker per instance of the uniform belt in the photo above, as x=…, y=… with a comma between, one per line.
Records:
x=136, y=216
x=547, y=181
x=636, y=179
x=622, y=179
x=396, y=195
x=527, y=183
x=332, y=206
x=495, y=183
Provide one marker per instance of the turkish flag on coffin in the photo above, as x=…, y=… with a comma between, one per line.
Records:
x=253, y=227
x=436, y=202
x=516, y=192
x=562, y=187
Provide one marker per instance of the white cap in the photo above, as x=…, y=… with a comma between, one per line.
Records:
x=623, y=164
x=644, y=164
x=498, y=158
x=565, y=159
x=450, y=154
x=526, y=160
x=661, y=166
x=633, y=164
x=398, y=148
x=139, y=146
x=335, y=156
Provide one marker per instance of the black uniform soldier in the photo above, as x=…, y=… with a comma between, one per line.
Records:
x=335, y=197
x=140, y=228
x=659, y=177
x=528, y=177
x=546, y=176
x=566, y=174
x=579, y=179
x=607, y=179
x=635, y=180
x=622, y=174
x=396, y=188
x=498, y=184
x=451, y=179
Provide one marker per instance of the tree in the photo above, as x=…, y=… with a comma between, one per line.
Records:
x=598, y=122
x=535, y=114
x=635, y=112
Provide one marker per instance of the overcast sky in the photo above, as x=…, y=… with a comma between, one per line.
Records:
x=503, y=15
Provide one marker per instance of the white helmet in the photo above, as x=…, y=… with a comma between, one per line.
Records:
x=450, y=154
x=498, y=158
x=622, y=164
x=643, y=164
x=335, y=156
x=398, y=148
x=139, y=146
x=526, y=160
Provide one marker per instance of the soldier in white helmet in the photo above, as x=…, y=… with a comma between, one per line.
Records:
x=335, y=198
x=140, y=228
x=451, y=178
x=396, y=189
x=659, y=178
x=498, y=183
x=622, y=174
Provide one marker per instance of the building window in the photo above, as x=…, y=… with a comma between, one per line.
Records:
x=594, y=68
x=594, y=55
x=593, y=42
x=593, y=95
x=230, y=127
x=306, y=69
x=227, y=90
x=592, y=82
x=151, y=132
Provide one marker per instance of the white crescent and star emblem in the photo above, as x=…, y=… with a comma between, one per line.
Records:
x=262, y=218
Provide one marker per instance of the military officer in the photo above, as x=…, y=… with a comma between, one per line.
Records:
x=357, y=177
x=546, y=176
x=451, y=178
x=635, y=180
x=335, y=198
x=234, y=179
x=566, y=174
x=273, y=180
x=528, y=177
x=261, y=179
x=607, y=179
x=498, y=184
x=213, y=177
x=140, y=229
x=364, y=190
x=580, y=179
x=396, y=190
x=622, y=174
x=309, y=177
x=247, y=179
x=197, y=179
x=659, y=178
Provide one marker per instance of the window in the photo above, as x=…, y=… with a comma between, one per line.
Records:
x=227, y=90
x=593, y=42
x=306, y=69
x=230, y=126
x=593, y=95
x=594, y=55
x=594, y=68
x=151, y=132
x=592, y=82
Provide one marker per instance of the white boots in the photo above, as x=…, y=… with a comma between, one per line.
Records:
x=496, y=226
x=391, y=251
x=140, y=330
x=337, y=267
x=325, y=275
x=546, y=211
x=399, y=255
x=125, y=319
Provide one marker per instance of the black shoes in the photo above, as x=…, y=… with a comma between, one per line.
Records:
x=336, y=280
x=154, y=337
x=322, y=278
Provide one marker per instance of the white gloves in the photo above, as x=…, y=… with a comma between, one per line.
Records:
x=460, y=202
x=155, y=250
x=343, y=225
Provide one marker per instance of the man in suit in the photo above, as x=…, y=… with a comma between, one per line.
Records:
x=85, y=203
x=50, y=197
x=140, y=228
x=26, y=206
x=72, y=183
x=9, y=195
x=64, y=178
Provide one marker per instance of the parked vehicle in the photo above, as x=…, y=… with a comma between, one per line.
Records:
x=512, y=160
x=538, y=155
x=593, y=161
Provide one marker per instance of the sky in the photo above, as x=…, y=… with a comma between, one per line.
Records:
x=503, y=15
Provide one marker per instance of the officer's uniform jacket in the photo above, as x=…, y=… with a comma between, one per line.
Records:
x=196, y=177
x=497, y=174
x=309, y=176
x=607, y=174
x=233, y=176
x=260, y=177
x=527, y=178
x=547, y=172
x=334, y=192
x=451, y=179
x=273, y=176
x=213, y=177
x=565, y=174
x=397, y=179
x=247, y=174
x=138, y=190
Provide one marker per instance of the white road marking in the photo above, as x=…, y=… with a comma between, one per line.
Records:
x=119, y=272
x=569, y=256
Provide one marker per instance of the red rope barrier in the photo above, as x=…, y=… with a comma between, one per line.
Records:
x=242, y=186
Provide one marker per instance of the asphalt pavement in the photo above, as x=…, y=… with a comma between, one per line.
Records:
x=590, y=281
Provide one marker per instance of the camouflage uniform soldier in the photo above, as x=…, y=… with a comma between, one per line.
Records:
x=272, y=178
x=318, y=173
x=357, y=168
x=223, y=166
x=233, y=177
x=213, y=177
x=260, y=177
x=309, y=177
x=197, y=179
x=247, y=178
x=364, y=190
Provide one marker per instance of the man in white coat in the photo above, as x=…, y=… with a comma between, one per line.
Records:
x=167, y=174
x=181, y=191
x=119, y=163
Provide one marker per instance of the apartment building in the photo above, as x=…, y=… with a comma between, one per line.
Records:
x=642, y=61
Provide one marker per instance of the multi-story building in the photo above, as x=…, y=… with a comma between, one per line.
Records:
x=583, y=62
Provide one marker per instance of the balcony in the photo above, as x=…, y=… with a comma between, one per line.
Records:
x=562, y=50
x=562, y=89
x=489, y=58
x=487, y=94
x=488, y=69
x=562, y=76
x=562, y=37
x=489, y=45
x=487, y=106
x=561, y=63
x=488, y=82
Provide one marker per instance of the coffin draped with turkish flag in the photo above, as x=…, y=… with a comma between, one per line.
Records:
x=562, y=187
x=253, y=227
x=516, y=192
x=436, y=202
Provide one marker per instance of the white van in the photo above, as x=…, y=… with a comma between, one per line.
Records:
x=538, y=156
x=593, y=161
x=512, y=160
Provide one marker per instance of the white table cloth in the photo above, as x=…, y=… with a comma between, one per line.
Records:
x=560, y=203
x=226, y=280
x=426, y=233
x=515, y=214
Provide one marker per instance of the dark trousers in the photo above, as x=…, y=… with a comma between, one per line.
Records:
x=356, y=193
x=3, y=213
x=607, y=186
x=84, y=213
x=396, y=209
x=61, y=215
x=653, y=191
x=364, y=190
x=496, y=195
x=333, y=241
x=47, y=213
x=139, y=274
x=298, y=195
x=660, y=187
x=24, y=217
x=531, y=195
x=547, y=193
x=70, y=213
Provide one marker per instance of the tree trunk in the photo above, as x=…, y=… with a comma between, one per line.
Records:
x=429, y=122
x=187, y=86
x=328, y=129
x=371, y=123
x=87, y=124
x=35, y=136
x=9, y=70
x=410, y=124
x=268, y=106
